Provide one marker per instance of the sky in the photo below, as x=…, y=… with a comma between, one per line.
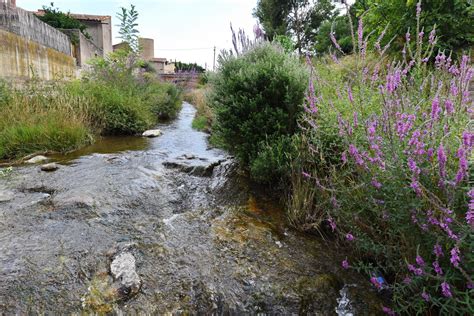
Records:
x=185, y=30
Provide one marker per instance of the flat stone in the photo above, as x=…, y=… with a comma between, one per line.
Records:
x=6, y=196
x=123, y=270
x=50, y=167
x=37, y=159
x=152, y=133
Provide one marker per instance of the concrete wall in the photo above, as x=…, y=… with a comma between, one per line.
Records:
x=84, y=49
x=21, y=58
x=28, y=26
x=101, y=33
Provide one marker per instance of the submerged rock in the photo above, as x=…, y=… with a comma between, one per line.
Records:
x=123, y=270
x=50, y=167
x=37, y=159
x=152, y=133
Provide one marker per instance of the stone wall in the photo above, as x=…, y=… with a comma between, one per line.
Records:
x=22, y=59
x=28, y=26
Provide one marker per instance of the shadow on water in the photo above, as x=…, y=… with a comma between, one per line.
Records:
x=106, y=145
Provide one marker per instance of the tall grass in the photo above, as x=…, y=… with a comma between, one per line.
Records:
x=61, y=117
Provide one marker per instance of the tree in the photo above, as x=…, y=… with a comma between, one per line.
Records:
x=60, y=20
x=342, y=32
x=454, y=20
x=299, y=19
x=128, y=31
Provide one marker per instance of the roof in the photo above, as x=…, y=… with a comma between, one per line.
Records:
x=159, y=60
x=82, y=17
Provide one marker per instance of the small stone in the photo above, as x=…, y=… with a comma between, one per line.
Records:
x=50, y=167
x=152, y=133
x=37, y=159
x=123, y=270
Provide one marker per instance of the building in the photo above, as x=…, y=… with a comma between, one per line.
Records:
x=99, y=28
x=147, y=53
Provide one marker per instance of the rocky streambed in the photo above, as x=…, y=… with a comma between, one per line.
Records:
x=162, y=225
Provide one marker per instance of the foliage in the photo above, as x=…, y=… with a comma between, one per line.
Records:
x=60, y=20
x=204, y=117
x=256, y=98
x=299, y=19
x=392, y=179
x=454, y=20
x=342, y=32
x=285, y=42
x=33, y=121
x=185, y=67
x=128, y=31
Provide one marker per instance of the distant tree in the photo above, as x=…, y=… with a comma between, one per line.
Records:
x=454, y=20
x=128, y=31
x=185, y=67
x=342, y=32
x=299, y=19
x=60, y=20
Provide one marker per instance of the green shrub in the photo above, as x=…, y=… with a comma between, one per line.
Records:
x=273, y=161
x=164, y=99
x=257, y=98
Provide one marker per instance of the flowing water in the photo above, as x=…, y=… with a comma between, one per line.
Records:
x=202, y=241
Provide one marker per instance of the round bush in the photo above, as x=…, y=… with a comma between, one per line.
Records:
x=257, y=98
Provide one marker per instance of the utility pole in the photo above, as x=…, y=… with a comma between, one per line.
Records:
x=214, y=65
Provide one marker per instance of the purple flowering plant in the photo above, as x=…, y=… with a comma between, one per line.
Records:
x=400, y=132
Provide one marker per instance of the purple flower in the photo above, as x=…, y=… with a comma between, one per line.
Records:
x=350, y=237
x=448, y=104
x=455, y=259
x=470, y=211
x=437, y=268
x=468, y=140
x=442, y=161
x=454, y=89
x=420, y=261
x=432, y=36
x=425, y=296
x=334, y=41
x=418, y=9
x=376, y=184
x=463, y=166
x=349, y=93
x=445, y=288
x=407, y=280
x=388, y=311
x=306, y=175
x=345, y=264
x=435, y=109
x=438, y=251
x=332, y=223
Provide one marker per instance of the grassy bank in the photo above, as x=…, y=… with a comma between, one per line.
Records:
x=65, y=116
x=204, y=116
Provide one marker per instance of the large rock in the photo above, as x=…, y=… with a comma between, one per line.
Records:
x=50, y=167
x=152, y=133
x=123, y=270
x=37, y=159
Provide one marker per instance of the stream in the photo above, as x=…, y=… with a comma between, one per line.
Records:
x=194, y=236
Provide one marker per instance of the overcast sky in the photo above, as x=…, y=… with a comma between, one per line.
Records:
x=186, y=30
